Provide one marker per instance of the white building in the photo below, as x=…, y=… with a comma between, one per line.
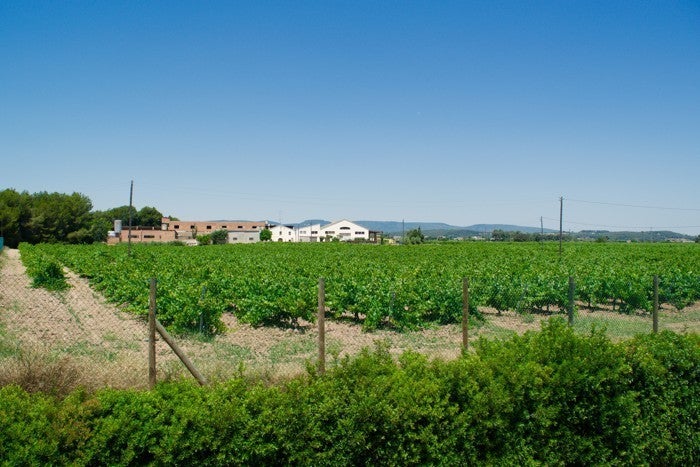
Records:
x=344, y=230
x=284, y=233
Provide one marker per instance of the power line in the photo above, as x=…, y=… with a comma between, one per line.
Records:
x=638, y=206
x=625, y=226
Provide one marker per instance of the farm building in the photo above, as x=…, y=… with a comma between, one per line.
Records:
x=243, y=232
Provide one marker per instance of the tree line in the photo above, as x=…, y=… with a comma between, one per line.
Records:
x=45, y=217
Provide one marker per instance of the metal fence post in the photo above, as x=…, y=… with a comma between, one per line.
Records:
x=465, y=314
x=152, y=335
x=321, y=326
x=655, y=314
x=572, y=289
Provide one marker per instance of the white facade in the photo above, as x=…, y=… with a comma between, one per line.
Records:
x=309, y=233
x=344, y=230
x=284, y=233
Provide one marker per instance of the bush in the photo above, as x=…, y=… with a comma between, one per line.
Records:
x=45, y=271
x=548, y=397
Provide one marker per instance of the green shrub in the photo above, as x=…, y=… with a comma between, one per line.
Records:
x=548, y=397
x=45, y=270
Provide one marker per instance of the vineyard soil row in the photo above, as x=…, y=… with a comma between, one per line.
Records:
x=108, y=345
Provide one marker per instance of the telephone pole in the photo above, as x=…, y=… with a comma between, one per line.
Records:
x=131, y=202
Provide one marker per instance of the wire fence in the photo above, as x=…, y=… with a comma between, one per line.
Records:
x=106, y=346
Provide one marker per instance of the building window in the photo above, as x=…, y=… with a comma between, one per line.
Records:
x=251, y=239
x=192, y=227
x=176, y=226
x=330, y=232
x=255, y=226
x=234, y=239
x=345, y=228
x=224, y=226
x=314, y=232
x=209, y=227
x=359, y=233
x=149, y=236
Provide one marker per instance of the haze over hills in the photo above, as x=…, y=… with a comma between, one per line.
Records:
x=398, y=227
x=443, y=230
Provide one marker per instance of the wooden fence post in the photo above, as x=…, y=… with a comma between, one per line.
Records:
x=465, y=314
x=178, y=351
x=321, y=326
x=655, y=315
x=152, y=336
x=572, y=288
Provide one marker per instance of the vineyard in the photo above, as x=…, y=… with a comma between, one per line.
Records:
x=404, y=287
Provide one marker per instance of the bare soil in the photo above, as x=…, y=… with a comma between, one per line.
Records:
x=108, y=346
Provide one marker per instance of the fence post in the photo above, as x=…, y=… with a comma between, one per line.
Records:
x=655, y=314
x=152, y=335
x=321, y=326
x=465, y=314
x=572, y=288
x=181, y=355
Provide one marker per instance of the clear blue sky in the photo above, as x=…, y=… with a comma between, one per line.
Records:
x=460, y=112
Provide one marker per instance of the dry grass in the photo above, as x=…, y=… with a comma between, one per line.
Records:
x=55, y=342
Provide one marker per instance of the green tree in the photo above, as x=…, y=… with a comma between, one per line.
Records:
x=265, y=235
x=499, y=235
x=204, y=239
x=219, y=237
x=415, y=236
x=58, y=217
x=15, y=214
x=149, y=217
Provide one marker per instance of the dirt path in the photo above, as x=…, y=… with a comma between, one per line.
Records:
x=110, y=345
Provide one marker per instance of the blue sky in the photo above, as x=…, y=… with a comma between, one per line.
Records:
x=460, y=112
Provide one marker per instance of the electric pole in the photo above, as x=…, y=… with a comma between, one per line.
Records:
x=131, y=202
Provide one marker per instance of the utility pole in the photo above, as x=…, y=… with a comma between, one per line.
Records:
x=131, y=202
x=561, y=215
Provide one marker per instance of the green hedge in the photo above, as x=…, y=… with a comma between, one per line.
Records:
x=547, y=397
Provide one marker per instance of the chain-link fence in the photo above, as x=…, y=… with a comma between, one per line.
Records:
x=101, y=344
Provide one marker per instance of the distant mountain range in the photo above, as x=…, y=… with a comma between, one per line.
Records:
x=399, y=227
x=443, y=230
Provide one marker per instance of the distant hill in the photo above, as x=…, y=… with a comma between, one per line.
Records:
x=440, y=229
x=396, y=227
x=443, y=230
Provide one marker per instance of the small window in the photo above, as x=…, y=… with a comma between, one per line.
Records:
x=251, y=239
x=345, y=228
x=149, y=236
x=209, y=227
x=240, y=226
x=192, y=227
x=359, y=233
x=314, y=232
x=176, y=226
x=255, y=226
x=330, y=232
x=224, y=226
